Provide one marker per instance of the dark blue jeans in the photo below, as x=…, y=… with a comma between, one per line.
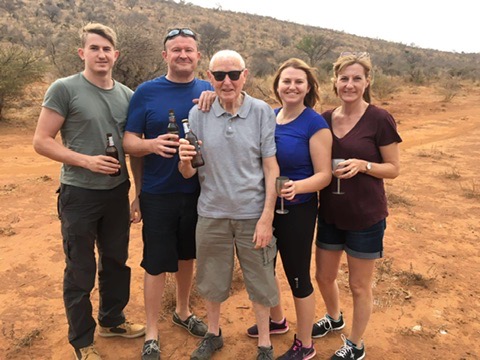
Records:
x=92, y=217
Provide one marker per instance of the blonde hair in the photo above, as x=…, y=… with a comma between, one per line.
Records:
x=362, y=59
x=99, y=29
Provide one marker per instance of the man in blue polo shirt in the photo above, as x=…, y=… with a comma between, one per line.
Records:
x=166, y=201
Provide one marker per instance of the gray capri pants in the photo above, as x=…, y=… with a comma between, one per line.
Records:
x=217, y=242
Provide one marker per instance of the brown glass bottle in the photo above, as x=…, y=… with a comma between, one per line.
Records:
x=197, y=160
x=172, y=127
x=111, y=150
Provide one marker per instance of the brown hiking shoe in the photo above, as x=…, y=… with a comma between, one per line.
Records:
x=126, y=330
x=87, y=353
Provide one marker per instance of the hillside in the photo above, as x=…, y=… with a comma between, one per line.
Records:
x=265, y=42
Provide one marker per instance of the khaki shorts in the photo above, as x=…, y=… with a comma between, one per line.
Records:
x=217, y=242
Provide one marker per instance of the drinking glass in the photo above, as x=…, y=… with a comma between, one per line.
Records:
x=279, y=184
x=335, y=163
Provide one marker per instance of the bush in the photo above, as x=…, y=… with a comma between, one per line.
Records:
x=20, y=67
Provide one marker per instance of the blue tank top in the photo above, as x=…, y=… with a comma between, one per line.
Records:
x=293, y=151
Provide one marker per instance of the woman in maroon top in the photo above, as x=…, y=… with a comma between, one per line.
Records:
x=354, y=220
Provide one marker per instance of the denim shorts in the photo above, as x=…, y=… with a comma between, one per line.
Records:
x=217, y=242
x=168, y=231
x=361, y=244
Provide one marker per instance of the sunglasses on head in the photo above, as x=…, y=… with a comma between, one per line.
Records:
x=175, y=32
x=233, y=75
x=358, y=54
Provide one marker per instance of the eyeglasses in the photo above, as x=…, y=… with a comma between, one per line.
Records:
x=233, y=75
x=175, y=32
x=358, y=54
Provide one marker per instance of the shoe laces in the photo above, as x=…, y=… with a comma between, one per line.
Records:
x=192, y=322
x=264, y=354
x=345, y=350
x=325, y=322
x=150, y=347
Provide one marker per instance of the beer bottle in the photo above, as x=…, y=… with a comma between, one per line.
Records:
x=172, y=127
x=111, y=150
x=197, y=160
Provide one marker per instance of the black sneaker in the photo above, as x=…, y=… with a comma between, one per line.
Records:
x=151, y=350
x=275, y=329
x=349, y=351
x=325, y=325
x=298, y=351
x=265, y=353
x=192, y=324
x=207, y=346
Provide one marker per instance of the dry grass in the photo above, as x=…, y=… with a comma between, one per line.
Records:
x=397, y=200
x=453, y=174
x=472, y=191
x=7, y=231
x=394, y=287
x=412, y=278
x=19, y=343
x=433, y=153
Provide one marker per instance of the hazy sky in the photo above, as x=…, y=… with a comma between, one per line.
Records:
x=442, y=25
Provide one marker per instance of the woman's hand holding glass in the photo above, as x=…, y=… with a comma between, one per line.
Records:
x=338, y=170
x=285, y=190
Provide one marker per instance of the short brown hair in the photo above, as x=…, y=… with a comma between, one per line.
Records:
x=99, y=29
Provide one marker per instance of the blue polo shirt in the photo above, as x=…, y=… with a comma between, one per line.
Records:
x=148, y=115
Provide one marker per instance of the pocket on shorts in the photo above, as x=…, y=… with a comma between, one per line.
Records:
x=270, y=251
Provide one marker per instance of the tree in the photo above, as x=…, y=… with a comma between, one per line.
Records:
x=415, y=66
x=62, y=52
x=262, y=62
x=20, y=67
x=53, y=12
x=140, y=55
x=315, y=47
x=211, y=37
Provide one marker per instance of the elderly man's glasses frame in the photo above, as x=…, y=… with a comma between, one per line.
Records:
x=234, y=75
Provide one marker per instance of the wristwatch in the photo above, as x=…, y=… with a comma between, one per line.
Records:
x=369, y=167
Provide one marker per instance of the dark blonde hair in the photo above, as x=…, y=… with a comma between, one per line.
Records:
x=99, y=29
x=352, y=58
x=313, y=95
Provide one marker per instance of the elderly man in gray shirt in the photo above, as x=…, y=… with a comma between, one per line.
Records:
x=237, y=199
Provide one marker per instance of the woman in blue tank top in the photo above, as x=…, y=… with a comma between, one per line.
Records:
x=304, y=143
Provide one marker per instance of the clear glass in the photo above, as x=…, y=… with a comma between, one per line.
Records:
x=335, y=163
x=279, y=184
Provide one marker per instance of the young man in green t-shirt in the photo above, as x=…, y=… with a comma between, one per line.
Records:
x=93, y=204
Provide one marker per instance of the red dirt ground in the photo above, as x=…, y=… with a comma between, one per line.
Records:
x=426, y=287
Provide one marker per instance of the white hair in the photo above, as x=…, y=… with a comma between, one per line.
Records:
x=227, y=54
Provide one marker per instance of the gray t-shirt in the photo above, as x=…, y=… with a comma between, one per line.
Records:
x=90, y=113
x=232, y=181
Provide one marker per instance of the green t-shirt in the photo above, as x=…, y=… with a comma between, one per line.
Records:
x=90, y=113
